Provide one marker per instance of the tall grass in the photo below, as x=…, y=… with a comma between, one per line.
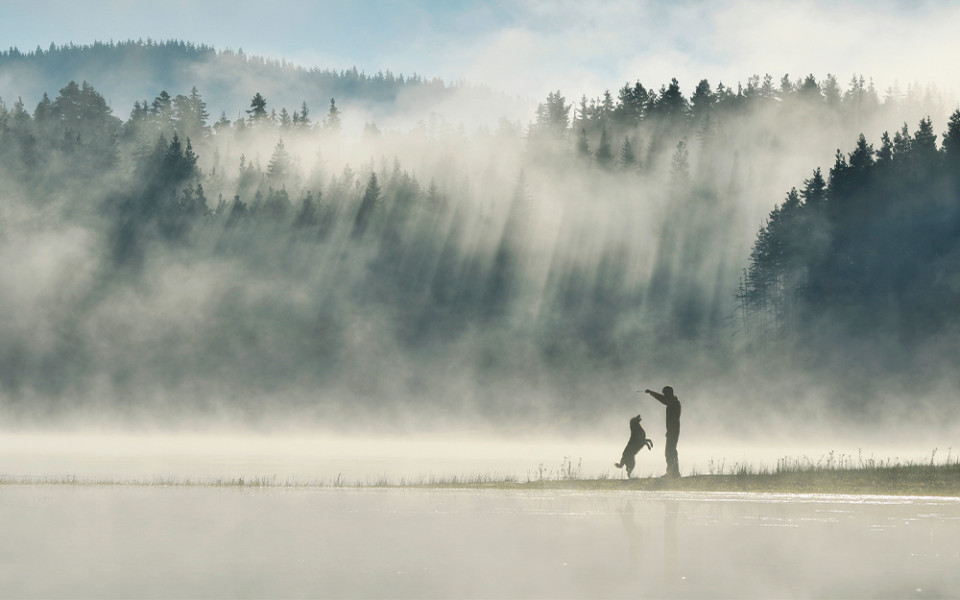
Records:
x=831, y=472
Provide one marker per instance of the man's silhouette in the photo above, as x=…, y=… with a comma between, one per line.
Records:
x=638, y=439
x=673, y=429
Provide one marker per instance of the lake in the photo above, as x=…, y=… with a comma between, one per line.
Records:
x=188, y=541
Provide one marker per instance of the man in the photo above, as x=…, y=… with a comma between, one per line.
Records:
x=673, y=429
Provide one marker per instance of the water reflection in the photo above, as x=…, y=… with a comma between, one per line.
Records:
x=670, y=576
x=223, y=542
x=652, y=552
x=634, y=531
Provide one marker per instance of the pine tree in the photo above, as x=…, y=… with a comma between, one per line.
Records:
x=279, y=166
x=702, y=100
x=583, y=147
x=44, y=110
x=284, y=121
x=604, y=153
x=628, y=159
x=786, y=87
x=331, y=122
x=838, y=188
x=814, y=191
x=161, y=110
x=885, y=153
x=680, y=166
x=198, y=109
x=580, y=118
x=222, y=123
x=831, y=91
x=671, y=105
x=605, y=108
x=307, y=215
x=861, y=159
x=304, y=122
x=371, y=197
x=258, y=109
x=809, y=90
x=924, y=149
x=435, y=201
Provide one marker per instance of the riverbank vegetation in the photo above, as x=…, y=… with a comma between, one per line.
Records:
x=828, y=475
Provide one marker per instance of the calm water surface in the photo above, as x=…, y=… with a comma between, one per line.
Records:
x=149, y=542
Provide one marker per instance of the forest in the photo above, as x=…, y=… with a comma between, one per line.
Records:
x=170, y=260
x=871, y=250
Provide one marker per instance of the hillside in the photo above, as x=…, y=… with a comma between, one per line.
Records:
x=162, y=260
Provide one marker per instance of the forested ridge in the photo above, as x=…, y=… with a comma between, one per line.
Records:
x=272, y=259
x=874, y=247
x=124, y=71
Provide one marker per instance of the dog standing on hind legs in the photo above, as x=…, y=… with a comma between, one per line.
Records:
x=638, y=439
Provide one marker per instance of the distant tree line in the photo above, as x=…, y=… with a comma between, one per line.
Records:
x=621, y=131
x=175, y=62
x=872, y=249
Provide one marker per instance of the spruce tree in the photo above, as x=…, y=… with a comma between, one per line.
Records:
x=331, y=122
x=371, y=197
x=604, y=153
x=304, y=122
x=279, y=166
x=258, y=109
x=814, y=192
x=628, y=159
x=583, y=147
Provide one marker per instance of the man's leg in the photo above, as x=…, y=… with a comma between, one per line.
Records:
x=673, y=460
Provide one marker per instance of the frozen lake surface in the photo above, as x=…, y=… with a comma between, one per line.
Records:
x=184, y=541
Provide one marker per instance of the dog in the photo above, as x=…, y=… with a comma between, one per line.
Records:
x=638, y=439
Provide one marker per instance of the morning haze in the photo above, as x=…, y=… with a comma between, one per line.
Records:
x=175, y=265
x=629, y=298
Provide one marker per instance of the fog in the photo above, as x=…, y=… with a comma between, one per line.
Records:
x=314, y=458
x=240, y=298
x=132, y=542
x=498, y=275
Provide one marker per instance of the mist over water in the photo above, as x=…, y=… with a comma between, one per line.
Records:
x=241, y=299
x=409, y=543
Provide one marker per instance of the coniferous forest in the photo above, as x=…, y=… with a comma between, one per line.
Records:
x=170, y=256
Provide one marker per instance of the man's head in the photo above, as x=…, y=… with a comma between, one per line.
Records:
x=668, y=391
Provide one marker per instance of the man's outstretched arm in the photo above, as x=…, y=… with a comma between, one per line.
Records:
x=657, y=396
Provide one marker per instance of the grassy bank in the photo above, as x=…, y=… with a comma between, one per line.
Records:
x=938, y=480
x=831, y=474
x=883, y=479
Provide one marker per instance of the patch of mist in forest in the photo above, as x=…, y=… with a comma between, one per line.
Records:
x=273, y=269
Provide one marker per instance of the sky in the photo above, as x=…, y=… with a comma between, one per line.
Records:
x=529, y=48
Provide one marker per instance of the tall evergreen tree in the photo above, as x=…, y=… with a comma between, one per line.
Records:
x=258, y=109
x=304, y=122
x=671, y=104
x=278, y=169
x=331, y=122
x=628, y=159
x=814, y=192
x=604, y=153
x=702, y=100
x=371, y=197
x=583, y=146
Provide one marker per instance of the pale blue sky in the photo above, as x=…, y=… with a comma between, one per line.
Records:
x=531, y=47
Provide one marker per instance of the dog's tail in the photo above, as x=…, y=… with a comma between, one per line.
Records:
x=618, y=465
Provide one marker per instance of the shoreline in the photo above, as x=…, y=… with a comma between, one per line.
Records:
x=941, y=480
